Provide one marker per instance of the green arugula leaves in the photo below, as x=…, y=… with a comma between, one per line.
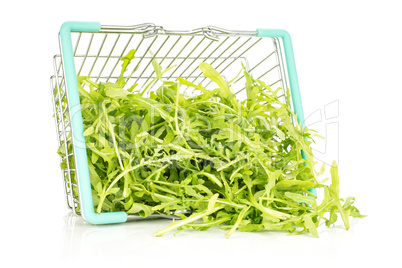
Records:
x=210, y=158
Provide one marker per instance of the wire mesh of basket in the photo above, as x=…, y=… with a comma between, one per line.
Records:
x=91, y=49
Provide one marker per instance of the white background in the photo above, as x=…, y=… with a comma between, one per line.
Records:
x=347, y=52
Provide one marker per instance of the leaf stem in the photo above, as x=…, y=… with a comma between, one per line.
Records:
x=188, y=220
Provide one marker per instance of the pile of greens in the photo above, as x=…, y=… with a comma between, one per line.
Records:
x=209, y=158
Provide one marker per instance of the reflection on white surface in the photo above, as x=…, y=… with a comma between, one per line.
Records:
x=83, y=240
x=134, y=241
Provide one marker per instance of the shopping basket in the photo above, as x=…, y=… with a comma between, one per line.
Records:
x=92, y=49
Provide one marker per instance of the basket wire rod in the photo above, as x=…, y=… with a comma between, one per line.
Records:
x=134, y=29
x=61, y=66
x=64, y=93
x=218, y=57
x=97, y=56
x=74, y=205
x=262, y=76
x=86, y=54
x=276, y=66
x=189, y=54
x=77, y=43
x=67, y=125
x=60, y=134
x=282, y=69
x=255, y=66
x=150, y=29
x=160, y=63
x=170, y=50
x=226, y=58
x=139, y=62
x=63, y=133
x=62, y=85
x=208, y=57
x=196, y=58
x=67, y=156
x=279, y=58
x=178, y=54
x=52, y=89
x=150, y=57
x=189, y=76
x=236, y=58
x=277, y=81
x=150, y=61
x=58, y=121
x=117, y=62
x=75, y=51
x=69, y=139
x=141, y=78
x=74, y=184
x=108, y=57
x=58, y=111
x=240, y=56
x=58, y=68
x=64, y=111
x=211, y=32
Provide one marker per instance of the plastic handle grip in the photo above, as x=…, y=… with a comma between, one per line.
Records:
x=82, y=170
x=293, y=80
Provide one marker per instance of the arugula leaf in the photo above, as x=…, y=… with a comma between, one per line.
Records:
x=126, y=61
x=140, y=209
x=310, y=225
x=211, y=159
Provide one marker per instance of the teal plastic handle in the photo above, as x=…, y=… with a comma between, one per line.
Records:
x=293, y=80
x=82, y=170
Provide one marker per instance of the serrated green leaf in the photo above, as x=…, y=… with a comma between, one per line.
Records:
x=210, y=158
x=308, y=222
x=211, y=203
x=301, y=199
x=140, y=209
x=89, y=131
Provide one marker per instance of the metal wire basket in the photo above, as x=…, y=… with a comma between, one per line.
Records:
x=91, y=49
